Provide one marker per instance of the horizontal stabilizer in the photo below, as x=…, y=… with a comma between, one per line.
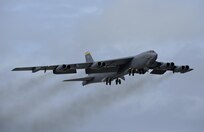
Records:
x=80, y=79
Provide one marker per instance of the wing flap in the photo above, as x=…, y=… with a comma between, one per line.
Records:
x=159, y=72
x=23, y=69
x=35, y=69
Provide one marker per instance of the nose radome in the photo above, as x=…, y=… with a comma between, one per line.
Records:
x=153, y=54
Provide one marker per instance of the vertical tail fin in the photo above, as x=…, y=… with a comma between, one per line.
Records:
x=88, y=57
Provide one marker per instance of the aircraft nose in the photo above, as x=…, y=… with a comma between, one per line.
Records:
x=154, y=55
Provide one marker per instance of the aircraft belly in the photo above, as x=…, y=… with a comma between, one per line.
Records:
x=97, y=79
x=139, y=63
x=101, y=77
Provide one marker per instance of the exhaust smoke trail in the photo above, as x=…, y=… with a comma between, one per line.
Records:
x=23, y=86
x=15, y=96
x=31, y=96
x=71, y=115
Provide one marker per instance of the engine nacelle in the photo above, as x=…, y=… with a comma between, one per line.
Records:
x=166, y=66
x=181, y=68
x=98, y=64
x=64, y=69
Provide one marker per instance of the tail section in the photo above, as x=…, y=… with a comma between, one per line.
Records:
x=88, y=57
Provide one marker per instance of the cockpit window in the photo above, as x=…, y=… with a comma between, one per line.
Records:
x=151, y=51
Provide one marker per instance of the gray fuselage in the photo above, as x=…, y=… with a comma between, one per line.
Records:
x=141, y=61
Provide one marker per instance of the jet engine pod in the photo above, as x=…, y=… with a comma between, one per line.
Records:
x=167, y=66
x=187, y=67
x=103, y=64
x=181, y=68
x=64, y=69
x=99, y=64
x=172, y=64
x=61, y=67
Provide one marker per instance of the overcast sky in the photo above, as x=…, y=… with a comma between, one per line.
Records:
x=45, y=32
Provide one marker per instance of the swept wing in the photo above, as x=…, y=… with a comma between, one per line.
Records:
x=91, y=67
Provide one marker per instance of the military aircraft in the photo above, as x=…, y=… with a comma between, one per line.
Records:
x=115, y=69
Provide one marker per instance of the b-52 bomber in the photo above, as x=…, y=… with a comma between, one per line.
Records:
x=112, y=70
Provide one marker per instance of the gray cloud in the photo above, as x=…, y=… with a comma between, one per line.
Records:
x=72, y=114
x=139, y=24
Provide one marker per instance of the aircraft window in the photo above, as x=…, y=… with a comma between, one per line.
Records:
x=151, y=51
